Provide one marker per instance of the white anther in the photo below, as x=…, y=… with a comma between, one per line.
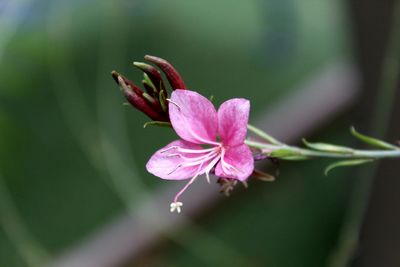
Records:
x=176, y=206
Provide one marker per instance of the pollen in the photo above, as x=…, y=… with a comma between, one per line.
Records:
x=176, y=206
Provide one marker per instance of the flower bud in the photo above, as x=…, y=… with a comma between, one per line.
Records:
x=171, y=73
x=153, y=74
x=135, y=97
x=154, y=101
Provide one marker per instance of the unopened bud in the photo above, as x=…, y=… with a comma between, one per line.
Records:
x=137, y=100
x=174, y=78
x=153, y=74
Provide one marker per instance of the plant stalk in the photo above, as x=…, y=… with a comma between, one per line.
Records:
x=305, y=152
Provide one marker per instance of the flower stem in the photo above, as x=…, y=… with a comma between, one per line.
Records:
x=354, y=153
x=294, y=151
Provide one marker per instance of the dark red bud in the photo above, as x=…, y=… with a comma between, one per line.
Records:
x=137, y=100
x=153, y=73
x=133, y=86
x=115, y=76
x=149, y=89
x=154, y=103
x=171, y=73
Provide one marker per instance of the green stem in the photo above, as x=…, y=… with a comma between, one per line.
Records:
x=376, y=154
x=304, y=152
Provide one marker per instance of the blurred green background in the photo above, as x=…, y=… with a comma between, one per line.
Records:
x=72, y=156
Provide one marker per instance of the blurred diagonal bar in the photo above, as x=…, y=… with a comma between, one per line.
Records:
x=33, y=253
x=12, y=14
x=313, y=104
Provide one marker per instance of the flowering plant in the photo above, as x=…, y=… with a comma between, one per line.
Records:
x=214, y=142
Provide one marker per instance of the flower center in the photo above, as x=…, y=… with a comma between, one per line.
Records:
x=204, y=159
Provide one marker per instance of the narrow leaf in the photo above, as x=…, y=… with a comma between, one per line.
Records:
x=345, y=163
x=263, y=135
x=372, y=141
x=157, y=123
x=328, y=147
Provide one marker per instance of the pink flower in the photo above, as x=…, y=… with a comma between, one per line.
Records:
x=196, y=121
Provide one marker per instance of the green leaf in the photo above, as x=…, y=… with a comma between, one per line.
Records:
x=372, y=141
x=328, y=147
x=345, y=163
x=157, y=123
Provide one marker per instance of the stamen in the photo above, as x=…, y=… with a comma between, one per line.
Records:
x=195, y=161
x=176, y=206
x=174, y=155
x=169, y=148
x=194, y=151
x=208, y=177
x=191, y=160
x=172, y=102
x=177, y=167
x=191, y=151
x=200, y=160
x=210, y=166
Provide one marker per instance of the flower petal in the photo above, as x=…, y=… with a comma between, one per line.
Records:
x=240, y=158
x=193, y=117
x=166, y=161
x=233, y=116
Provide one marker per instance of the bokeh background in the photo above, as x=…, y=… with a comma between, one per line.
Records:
x=73, y=187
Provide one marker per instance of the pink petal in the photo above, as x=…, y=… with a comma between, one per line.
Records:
x=193, y=117
x=233, y=116
x=165, y=167
x=241, y=158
